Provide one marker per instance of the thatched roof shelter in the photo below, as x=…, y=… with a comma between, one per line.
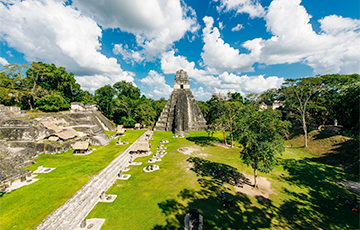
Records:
x=67, y=134
x=120, y=129
x=53, y=138
x=81, y=145
x=50, y=125
x=141, y=146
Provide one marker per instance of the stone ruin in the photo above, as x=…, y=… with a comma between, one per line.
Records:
x=24, y=137
x=181, y=113
x=151, y=168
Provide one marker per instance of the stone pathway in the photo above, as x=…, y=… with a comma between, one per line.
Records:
x=79, y=206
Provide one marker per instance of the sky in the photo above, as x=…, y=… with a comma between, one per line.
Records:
x=245, y=46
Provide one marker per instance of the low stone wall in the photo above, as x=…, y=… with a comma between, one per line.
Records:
x=23, y=130
x=9, y=109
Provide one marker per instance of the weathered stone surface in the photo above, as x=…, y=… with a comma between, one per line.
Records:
x=181, y=113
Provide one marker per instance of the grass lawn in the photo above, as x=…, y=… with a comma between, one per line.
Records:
x=27, y=206
x=304, y=183
x=305, y=191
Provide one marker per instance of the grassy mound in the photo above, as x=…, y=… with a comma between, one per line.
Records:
x=330, y=149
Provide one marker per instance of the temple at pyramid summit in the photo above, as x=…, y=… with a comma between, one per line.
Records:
x=181, y=113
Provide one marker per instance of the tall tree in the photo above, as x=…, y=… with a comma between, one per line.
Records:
x=144, y=112
x=297, y=94
x=261, y=133
x=12, y=79
x=104, y=98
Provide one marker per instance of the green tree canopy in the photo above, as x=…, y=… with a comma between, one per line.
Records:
x=261, y=133
x=104, y=99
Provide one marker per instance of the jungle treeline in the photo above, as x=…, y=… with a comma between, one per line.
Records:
x=316, y=101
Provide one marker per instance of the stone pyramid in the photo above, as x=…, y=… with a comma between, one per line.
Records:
x=181, y=113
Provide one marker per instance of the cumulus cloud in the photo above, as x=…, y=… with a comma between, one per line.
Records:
x=3, y=61
x=335, y=25
x=251, y=7
x=94, y=82
x=49, y=31
x=237, y=27
x=130, y=56
x=335, y=50
x=201, y=95
x=156, y=85
x=220, y=56
x=157, y=24
x=217, y=83
x=247, y=84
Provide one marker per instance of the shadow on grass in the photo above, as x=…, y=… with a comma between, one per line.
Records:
x=323, y=135
x=319, y=207
x=242, y=214
x=203, y=141
x=345, y=155
x=313, y=206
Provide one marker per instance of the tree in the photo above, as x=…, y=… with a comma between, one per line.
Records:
x=261, y=133
x=158, y=105
x=269, y=96
x=127, y=89
x=12, y=79
x=53, y=102
x=349, y=101
x=128, y=98
x=297, y=94
x=104, y=98
x=204, y=108
x=145, y=113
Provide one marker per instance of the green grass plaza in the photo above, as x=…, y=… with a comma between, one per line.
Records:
x=302, y=190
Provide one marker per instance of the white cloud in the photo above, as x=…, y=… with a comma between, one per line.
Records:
x=237, y=27
x=335, y=25
x=130, y=56
x=156, y=85
x=157, y=24
x=3, y=61
x=335, y=50
x=200, y=94
x=49, y=31
x=251, y=7
x=220, y=56
x=217, y=83
x=247, y=84
x=221, y=26
x=94, y=82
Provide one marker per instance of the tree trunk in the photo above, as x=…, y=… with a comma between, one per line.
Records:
x=30, y=104
x=255, y=179
x=305, y=129
x=224, y=137
x=232, y=137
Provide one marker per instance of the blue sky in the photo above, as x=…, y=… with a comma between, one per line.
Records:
x=246, y=46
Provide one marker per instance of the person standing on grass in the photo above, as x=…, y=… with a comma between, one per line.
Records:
x=193, y=220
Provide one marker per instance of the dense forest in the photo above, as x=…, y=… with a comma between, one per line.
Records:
x=314, y=101
x=48, y=88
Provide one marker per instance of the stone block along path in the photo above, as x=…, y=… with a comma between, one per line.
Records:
x=69, y=215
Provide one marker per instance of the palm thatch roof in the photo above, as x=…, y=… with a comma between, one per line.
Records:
x=81, y=145
x=50, y=125
x=120, y=129
x=67, y=134
x=141, y=145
